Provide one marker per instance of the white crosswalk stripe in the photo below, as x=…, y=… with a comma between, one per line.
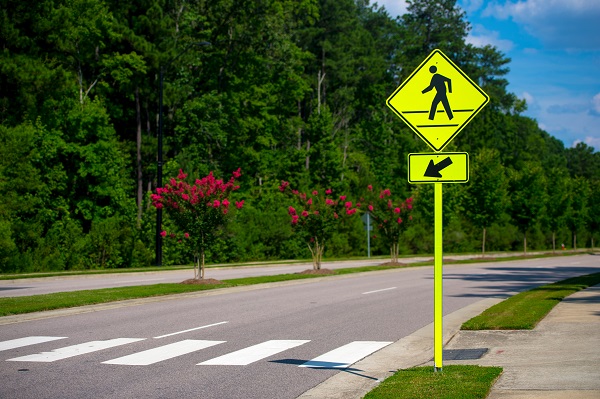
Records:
x=74, y=350
x=339, y=358
x=164, y=352
x=346, y=355
x=26, y=341
x=253, y=353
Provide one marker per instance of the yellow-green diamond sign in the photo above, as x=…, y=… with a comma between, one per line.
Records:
x=437, y=100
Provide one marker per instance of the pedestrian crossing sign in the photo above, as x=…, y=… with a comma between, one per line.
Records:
x=437, y=100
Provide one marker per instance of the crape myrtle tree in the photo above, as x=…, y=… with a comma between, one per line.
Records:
x=200, y=211
x=315, y=217
x=391, y=217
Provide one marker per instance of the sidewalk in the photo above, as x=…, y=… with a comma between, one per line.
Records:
x=559, y=359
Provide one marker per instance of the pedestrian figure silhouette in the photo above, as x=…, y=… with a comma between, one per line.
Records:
x=439, y=83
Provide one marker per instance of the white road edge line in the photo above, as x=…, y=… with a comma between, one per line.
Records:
x=191, y=329
x=385, y=289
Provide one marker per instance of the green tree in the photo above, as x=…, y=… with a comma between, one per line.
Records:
x=583, y=161
x=429, y=25
x=486, y=197
x=558, y=201
x=577, y=213
x=594, y=210
x=527, y=191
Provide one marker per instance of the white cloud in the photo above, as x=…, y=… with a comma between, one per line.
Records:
x=566, y=115
x=589, y=140
x=531, y=103
x=596, y=105
x=559, y=24
x=471, y=5
x=480, y=37
x=393, y=7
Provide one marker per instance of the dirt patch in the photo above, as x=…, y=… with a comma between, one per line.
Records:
x=204, y=281
x=320, y=271
x=393, y=264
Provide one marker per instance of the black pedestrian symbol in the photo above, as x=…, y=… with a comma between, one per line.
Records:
x=438, y=82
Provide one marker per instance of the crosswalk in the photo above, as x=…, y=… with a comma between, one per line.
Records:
x=338, y=358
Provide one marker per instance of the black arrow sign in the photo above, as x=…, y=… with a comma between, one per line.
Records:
x=434, y=170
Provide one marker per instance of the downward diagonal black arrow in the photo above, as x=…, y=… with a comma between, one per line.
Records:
x=433, y=170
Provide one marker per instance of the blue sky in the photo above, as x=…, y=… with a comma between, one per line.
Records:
x=554, y=46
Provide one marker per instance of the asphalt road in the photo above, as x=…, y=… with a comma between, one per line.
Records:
x=118, y=353
x=47, y=285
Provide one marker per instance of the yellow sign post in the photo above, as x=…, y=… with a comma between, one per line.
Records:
x=437, y=101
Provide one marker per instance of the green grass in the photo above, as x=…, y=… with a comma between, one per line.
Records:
x=526, y=309
x=490, y=258
x=454, y=382
x=60, y=300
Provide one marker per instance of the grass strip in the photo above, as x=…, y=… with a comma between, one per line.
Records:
x=61, y=300
x=476, y=259
x=453, y=382
x=526, y=309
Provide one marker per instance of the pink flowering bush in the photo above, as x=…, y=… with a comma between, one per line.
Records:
x=390, y=217
x=199, y=210
x=316, y=216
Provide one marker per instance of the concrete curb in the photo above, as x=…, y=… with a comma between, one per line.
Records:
x=413, y=350
x=559, y=358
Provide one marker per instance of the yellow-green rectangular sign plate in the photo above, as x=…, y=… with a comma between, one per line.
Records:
x=438, y=167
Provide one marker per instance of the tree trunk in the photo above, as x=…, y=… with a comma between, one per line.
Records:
x=317, y=254
x=394, y=252
x=300, y=128
x=483, y=243
x=525, y=243
x=553, y=242
x=307, y=154
x=575, y=241
x=320, y=78
x=345, y=156
x=199, y=266
x=202, y=267
x=140, y=189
